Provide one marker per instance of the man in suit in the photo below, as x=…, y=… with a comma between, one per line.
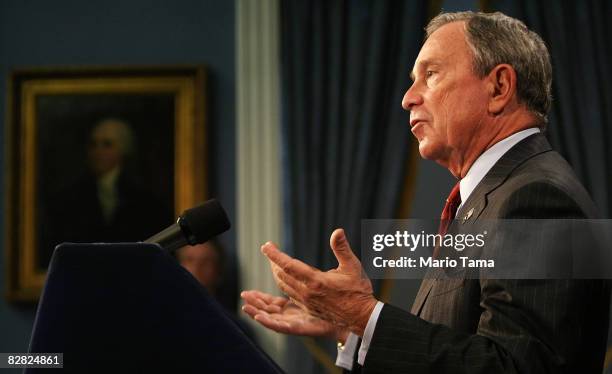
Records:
x=106, y=203
x=478, y=103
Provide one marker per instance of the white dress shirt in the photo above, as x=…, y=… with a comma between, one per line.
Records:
x=477, y=172
x=108, y=196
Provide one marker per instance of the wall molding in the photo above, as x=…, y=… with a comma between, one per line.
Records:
x=258, y=128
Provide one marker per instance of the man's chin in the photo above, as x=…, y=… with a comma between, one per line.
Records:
x=430, y=152
x=426, y=150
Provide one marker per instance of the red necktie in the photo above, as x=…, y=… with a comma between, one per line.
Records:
x=448, y=214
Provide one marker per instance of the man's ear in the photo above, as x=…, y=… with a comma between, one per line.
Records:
x=501, y=86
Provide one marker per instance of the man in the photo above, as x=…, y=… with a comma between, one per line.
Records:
x=205, y=262
x=478, y=102
x=106, y=203
x=110, y=144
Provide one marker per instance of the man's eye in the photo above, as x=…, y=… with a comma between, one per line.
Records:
x=429, y=73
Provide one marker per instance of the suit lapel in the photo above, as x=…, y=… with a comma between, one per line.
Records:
x=477, y=202
x=521, y=152
x=427, y=284
x=424, y=290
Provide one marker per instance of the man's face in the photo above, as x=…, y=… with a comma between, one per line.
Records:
x=447, y=101
x=105, y=150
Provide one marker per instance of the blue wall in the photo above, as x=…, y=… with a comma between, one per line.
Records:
x=141, y=32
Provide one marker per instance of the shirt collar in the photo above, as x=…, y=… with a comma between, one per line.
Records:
x=487, y=159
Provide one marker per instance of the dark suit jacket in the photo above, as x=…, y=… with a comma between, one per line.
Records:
x=504, y=326
x=75, y=215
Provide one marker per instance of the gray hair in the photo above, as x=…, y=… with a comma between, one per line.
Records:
x=497, y=39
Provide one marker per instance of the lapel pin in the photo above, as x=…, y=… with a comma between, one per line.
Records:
x=468, y=215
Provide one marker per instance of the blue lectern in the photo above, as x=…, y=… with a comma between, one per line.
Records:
x=130, y=307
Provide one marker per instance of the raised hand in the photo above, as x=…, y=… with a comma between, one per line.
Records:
x=342, y=296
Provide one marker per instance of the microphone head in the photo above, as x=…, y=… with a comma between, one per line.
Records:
x=206, y=221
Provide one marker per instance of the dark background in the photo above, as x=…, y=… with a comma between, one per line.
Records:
x=137, y=32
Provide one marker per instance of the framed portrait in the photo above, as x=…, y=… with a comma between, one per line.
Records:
x=98, y=155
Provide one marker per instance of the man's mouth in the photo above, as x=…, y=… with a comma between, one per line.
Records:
x=416, y=123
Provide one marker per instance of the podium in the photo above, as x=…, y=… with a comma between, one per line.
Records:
x=130, y=307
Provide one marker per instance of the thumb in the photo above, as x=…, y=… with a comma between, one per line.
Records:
x=342, y=250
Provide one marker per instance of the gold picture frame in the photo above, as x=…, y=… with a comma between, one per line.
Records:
x=170, y=100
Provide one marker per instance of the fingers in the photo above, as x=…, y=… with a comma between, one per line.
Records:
x=250, y=310
x=291, y=266
x=262, y=310
x=263, y=302
x=289, y=289
x=290, y=286
x=270, y=299
x=342, y=250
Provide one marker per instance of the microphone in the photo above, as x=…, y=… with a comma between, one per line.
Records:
x=194, y=226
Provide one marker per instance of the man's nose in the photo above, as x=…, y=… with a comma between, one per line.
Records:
x=411, y=98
